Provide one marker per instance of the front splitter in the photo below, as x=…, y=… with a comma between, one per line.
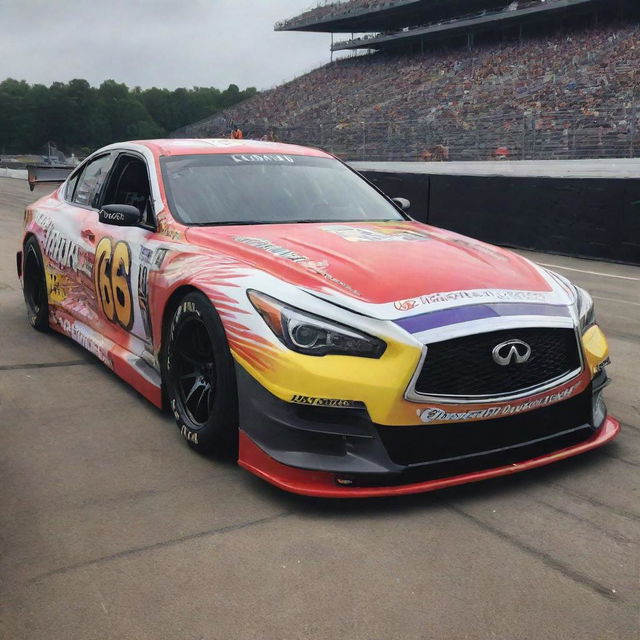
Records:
x=322, y=484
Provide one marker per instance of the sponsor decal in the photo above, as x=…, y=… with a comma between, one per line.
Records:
x=83, y=336
x=62, y=250
x=259, y=157
x=474, y=295
x=381, y=234
x=143, y=298
x=326, y=402
x=406, y=305
x=57, y=285
x=159, y=256
x=473, y=245
x=43, y=221
x=435, y=414
x=116, y=216
x=317, y=266
x=270, y=247
x=165, y=230
x=146, y=255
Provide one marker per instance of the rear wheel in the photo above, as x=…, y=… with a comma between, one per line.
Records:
x=200, y=377
x=34, y=286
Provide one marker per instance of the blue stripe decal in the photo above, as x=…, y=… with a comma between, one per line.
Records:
x=445, y=317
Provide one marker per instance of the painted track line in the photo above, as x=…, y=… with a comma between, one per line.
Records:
x=635, y=304
x=592, y=273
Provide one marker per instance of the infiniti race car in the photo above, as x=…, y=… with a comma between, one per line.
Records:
x=287, y=311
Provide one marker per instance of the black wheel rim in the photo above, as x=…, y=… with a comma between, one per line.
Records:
x=193, y=368
x=35, y=290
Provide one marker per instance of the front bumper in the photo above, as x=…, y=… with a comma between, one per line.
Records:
x=335, y=452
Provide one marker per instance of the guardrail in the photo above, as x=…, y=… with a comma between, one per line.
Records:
x=543, y=135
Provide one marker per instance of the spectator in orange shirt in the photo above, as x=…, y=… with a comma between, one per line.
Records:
x=236, y=133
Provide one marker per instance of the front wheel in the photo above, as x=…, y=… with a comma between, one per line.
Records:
x=200, y=377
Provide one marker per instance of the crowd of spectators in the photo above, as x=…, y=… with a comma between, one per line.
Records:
x=544, y=90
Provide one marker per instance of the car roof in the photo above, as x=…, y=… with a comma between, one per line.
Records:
x=182, y=146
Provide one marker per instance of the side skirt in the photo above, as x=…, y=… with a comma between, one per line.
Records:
x=131, y=368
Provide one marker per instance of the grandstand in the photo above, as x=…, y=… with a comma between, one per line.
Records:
x=460, y=80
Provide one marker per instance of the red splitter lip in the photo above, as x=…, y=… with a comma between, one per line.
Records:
x=322, y=484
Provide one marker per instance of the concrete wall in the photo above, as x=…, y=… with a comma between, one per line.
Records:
x=596, y=218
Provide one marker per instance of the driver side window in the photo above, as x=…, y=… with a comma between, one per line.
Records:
x=87, y=190
x=129, y=184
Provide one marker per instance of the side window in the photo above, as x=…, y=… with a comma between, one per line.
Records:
x=129, y=184
x=90, y=182
x=71, y=187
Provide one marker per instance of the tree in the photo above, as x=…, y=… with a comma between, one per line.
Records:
x=78, y=116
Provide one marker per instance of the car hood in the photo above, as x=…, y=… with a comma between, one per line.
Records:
x=375, y=262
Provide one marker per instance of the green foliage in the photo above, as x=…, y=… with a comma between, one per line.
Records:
x=78, y=116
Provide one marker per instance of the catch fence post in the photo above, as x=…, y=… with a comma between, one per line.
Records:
x=633, y=129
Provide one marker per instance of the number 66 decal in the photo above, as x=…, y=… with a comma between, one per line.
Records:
x=111, y=278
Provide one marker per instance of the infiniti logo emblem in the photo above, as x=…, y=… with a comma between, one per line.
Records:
x=511, y=351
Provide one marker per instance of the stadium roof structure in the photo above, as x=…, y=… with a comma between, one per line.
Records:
x=403, y=20
x=386, y=14
x=504, y=16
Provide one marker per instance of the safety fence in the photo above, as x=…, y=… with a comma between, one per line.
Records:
x=545, y=135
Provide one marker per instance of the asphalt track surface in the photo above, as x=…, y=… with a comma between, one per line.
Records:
x=113, y=528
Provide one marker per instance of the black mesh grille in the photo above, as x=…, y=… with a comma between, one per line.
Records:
x=465, y=366
x=425, y=443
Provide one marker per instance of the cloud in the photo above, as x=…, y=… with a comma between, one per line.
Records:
x=163, y=43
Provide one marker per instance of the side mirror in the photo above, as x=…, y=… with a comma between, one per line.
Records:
x=120, y=215
x=403, y=203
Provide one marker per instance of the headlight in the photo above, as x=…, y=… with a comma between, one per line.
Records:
x=312, y=335
x=586, y=312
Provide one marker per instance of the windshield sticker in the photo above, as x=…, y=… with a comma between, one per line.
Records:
x=381, y=234
x=435, y=414
x=260, y=157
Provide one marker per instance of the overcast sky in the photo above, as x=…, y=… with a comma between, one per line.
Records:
x=162, y=43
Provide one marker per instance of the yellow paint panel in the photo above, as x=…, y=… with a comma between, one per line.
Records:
x=379, y=383
x=596, y=348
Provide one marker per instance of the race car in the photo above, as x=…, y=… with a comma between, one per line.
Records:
x=289, y=313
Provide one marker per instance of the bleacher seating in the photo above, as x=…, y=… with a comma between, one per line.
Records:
x=570, y=94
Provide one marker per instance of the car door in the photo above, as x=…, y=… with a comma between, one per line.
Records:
x=123, y=258
x=68, y=244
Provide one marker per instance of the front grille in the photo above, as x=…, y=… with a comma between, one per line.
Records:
x=425, y=443
x=465, y=366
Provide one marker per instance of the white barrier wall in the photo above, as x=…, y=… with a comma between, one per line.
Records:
x=13, y=173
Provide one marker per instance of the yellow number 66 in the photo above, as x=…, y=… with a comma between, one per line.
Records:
x=112, y=281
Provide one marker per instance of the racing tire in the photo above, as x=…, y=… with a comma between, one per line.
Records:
x=34, y=286
x=200, y=377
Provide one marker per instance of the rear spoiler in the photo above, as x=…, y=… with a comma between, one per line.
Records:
x=39, y=173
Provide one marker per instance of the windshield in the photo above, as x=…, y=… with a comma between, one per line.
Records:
x=269, y=188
